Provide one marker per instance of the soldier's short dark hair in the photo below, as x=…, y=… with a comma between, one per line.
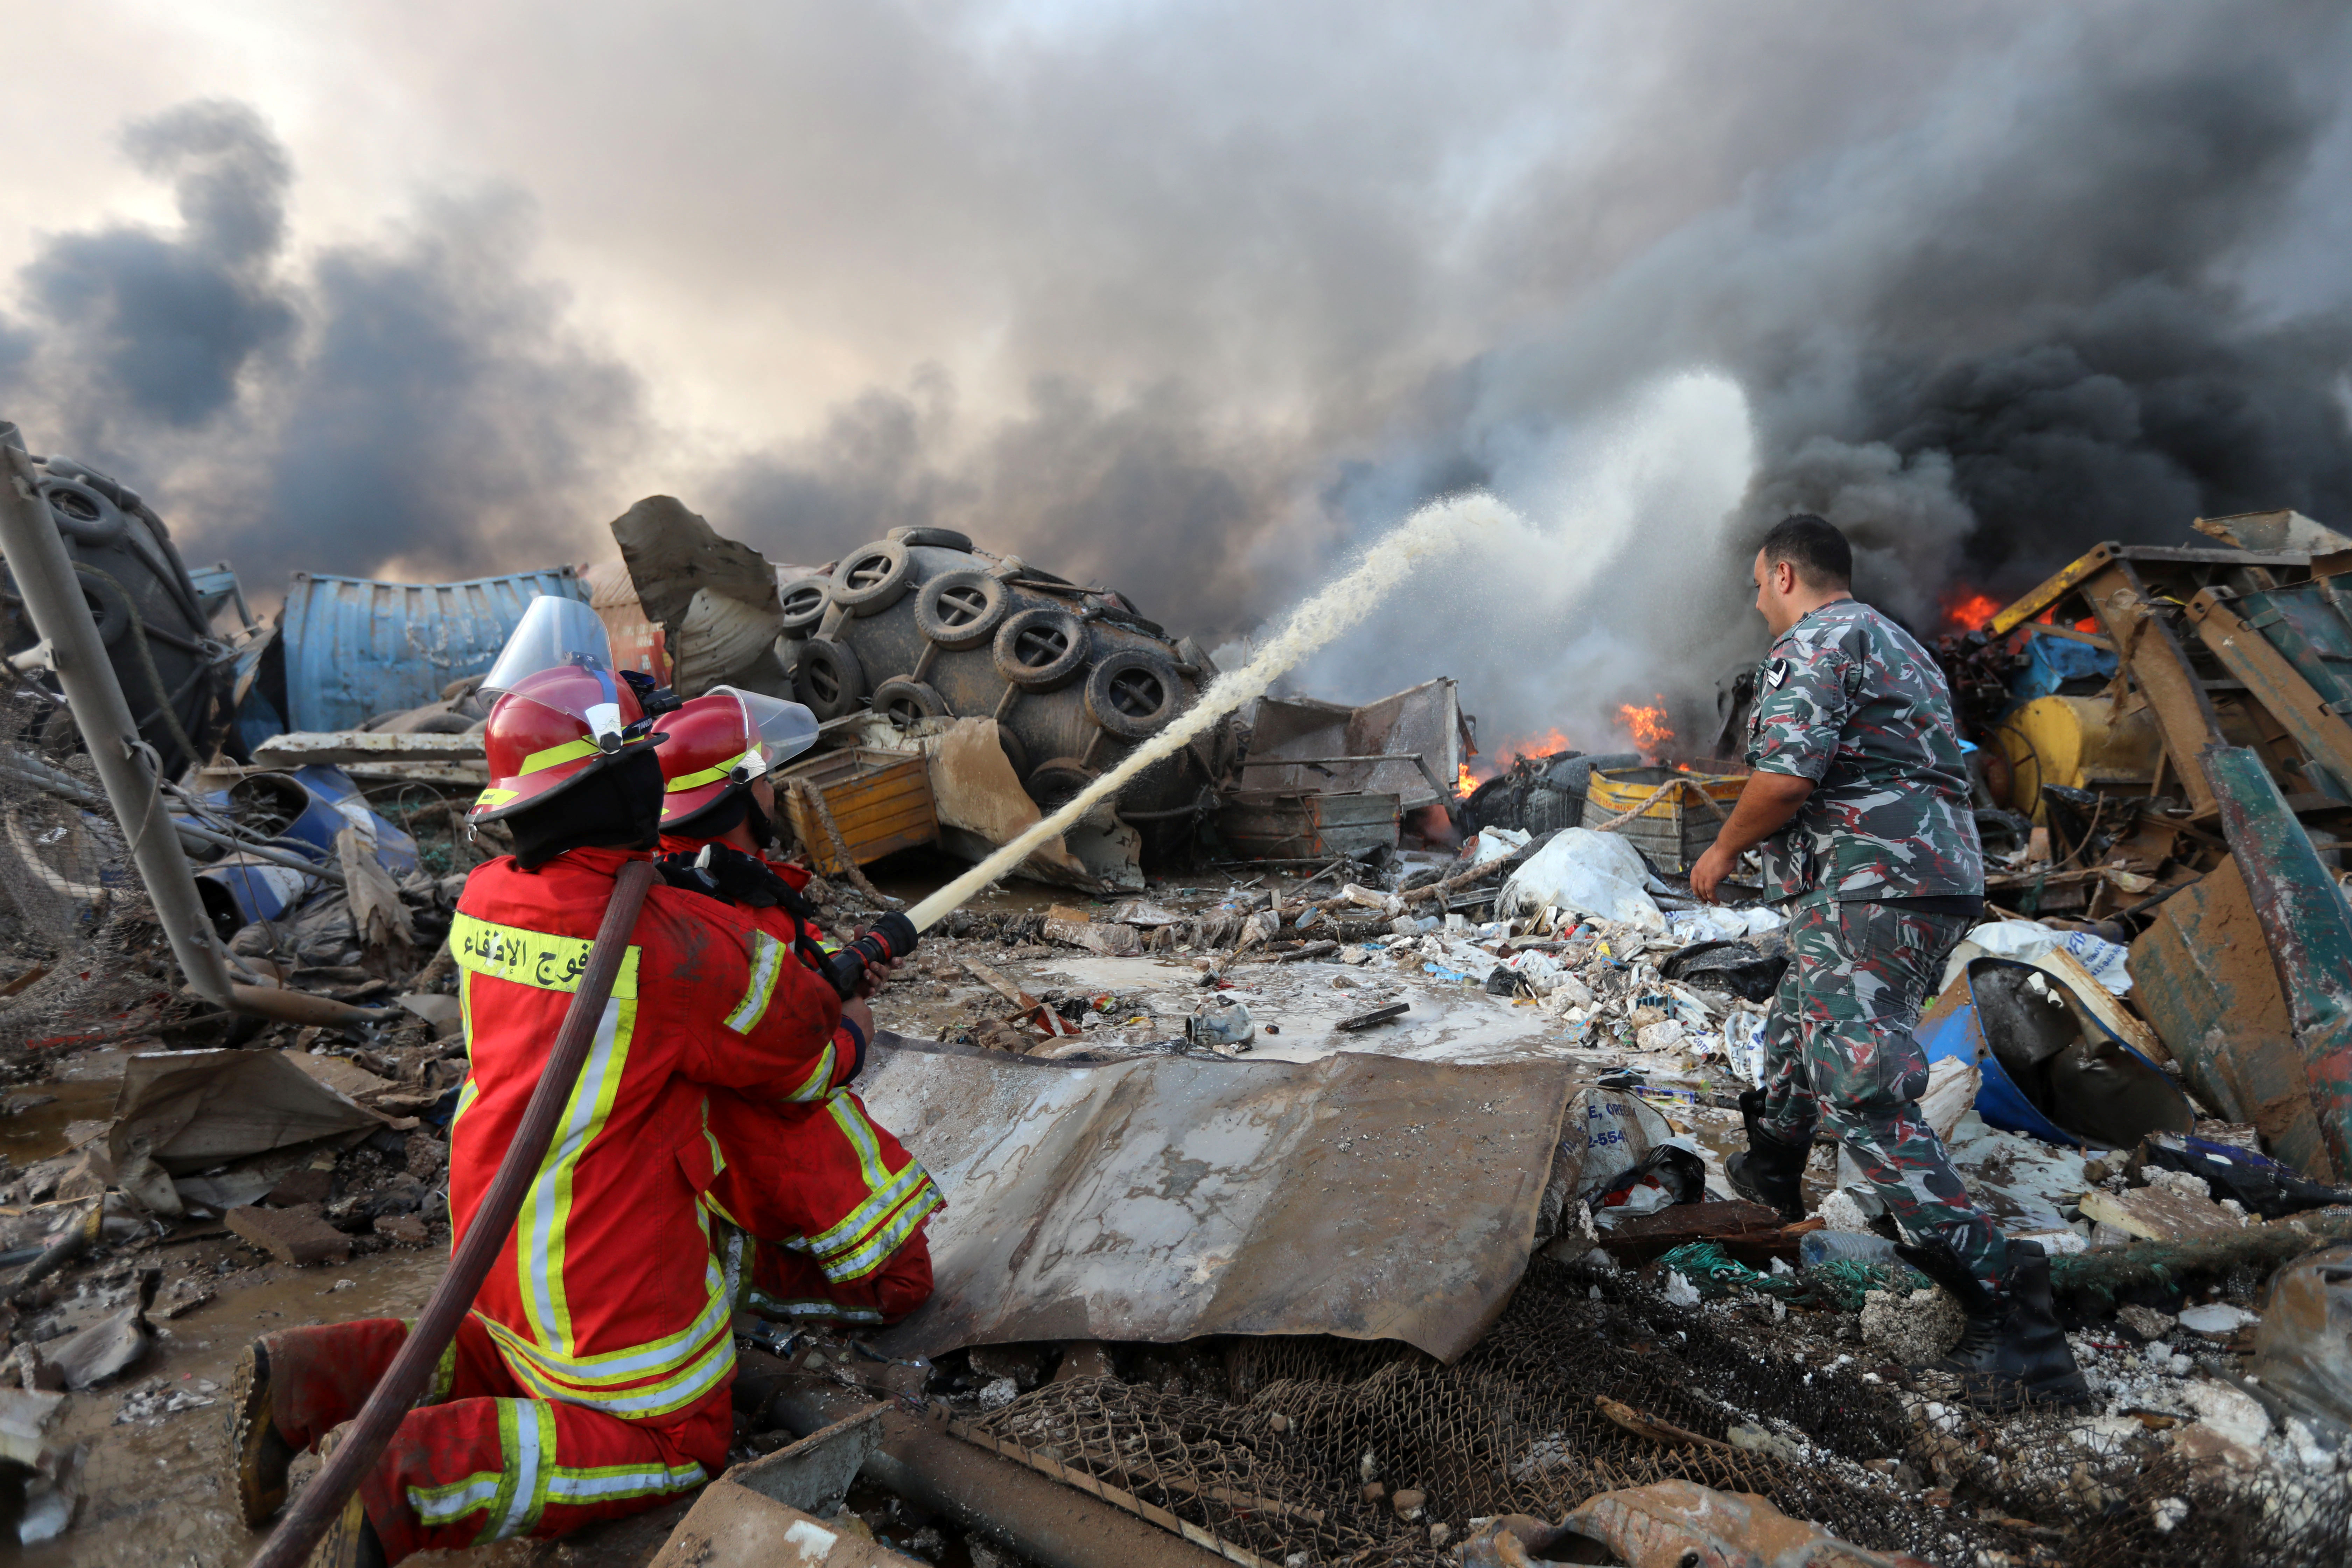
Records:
x=1814, y=547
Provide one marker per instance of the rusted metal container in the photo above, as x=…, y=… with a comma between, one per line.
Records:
x=637, y=642
x=2306, y=925
x=1264, y=826
x=881, y=802
x=355, y=648
x=2202, y=977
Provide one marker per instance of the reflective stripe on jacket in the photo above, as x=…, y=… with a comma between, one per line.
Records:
x=606, y=1295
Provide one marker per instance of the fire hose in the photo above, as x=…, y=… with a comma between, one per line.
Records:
x=396, y=1392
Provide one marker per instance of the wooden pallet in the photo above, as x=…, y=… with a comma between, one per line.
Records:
x=881, y=801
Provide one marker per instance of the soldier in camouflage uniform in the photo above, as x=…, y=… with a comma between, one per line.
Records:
x=1859, y=806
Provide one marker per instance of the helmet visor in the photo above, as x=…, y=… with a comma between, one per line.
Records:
x=785, y=730
x=552, y=633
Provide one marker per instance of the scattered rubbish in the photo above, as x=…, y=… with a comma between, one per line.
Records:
x=2302, y=1345
x=1751, y=971
x=2259, y=1184
x=2216, y=1319
x=1912, y=1328
x=191, y=1110
x=2052, y=1067
x=1668, y=1523
x=1076, y=928
x=2155, y=1215
x=298, y=1235
x=2025, y=940
x=111, y=1345
x=1223, y=1026
x=1586, y=873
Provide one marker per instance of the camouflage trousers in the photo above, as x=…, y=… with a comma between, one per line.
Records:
x=1839, y=1048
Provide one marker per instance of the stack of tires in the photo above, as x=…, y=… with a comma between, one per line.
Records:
x=919, y=625
x=174, y=674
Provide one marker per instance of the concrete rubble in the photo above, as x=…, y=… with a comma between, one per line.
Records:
x=1297, y=1049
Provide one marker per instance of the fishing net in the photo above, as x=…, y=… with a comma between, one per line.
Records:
x=81, y=956
x=1271, y=1465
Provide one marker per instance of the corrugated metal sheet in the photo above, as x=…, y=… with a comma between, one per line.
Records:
x=356, y=647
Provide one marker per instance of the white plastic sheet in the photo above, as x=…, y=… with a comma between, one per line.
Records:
x=1714, y=924
x=1597, y=874
x=1495, y=843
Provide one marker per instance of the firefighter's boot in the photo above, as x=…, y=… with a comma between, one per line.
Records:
x=261, y=1452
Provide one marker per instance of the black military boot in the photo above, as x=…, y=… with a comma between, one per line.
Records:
x=2012, y=1347
x=1772, y=1170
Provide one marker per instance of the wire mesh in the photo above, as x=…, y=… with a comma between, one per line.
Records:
x=1275, y=1469
x=81, y=956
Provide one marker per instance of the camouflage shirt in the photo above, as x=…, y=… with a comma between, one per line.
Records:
x=1848, y=700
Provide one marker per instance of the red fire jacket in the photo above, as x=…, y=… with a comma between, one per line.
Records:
x=606, y=1295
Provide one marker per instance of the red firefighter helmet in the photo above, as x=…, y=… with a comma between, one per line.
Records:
x=554, y=729
x=560, y=712
x=723, y=741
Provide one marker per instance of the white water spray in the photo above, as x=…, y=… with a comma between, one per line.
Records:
x=1329, y=613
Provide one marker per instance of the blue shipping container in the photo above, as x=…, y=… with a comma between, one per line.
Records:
x=355, y=648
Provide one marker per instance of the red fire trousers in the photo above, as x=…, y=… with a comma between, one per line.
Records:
x=476, y=1461
x=834, y=1207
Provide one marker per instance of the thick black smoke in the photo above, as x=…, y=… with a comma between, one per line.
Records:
x=416, y=402
x=1984, y=282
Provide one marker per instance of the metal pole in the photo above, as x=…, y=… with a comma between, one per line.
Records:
x=53, y=599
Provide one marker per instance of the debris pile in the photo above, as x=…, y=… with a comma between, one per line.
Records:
x=1334, y=1158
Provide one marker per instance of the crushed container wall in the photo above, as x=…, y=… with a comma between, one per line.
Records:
x=355, y=648
x=2202, y=977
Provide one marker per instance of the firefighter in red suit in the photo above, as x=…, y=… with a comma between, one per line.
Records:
x=592, y=1376
x=833, y=1205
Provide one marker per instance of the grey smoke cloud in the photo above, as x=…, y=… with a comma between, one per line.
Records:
x=417, y=400
x=1194, y=300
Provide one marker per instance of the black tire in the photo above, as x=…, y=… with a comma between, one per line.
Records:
x=903, y=702
x=830, y=681
x=1052, y=782
x=82, y=514
x=959, y=610
x=1041, y=650
x=805, y=600
x=1133, y=695
x=109, y=608
x=934, y=537
x=873, y=577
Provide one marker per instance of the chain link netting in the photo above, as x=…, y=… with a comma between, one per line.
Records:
x=1275, y=1468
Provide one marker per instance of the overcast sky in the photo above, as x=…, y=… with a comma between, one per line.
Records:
x=1194, y=298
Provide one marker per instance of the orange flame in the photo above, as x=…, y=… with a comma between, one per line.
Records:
x=1542, y=745
x=1647, y=724
x=1970, y=609
x=1464, y=781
